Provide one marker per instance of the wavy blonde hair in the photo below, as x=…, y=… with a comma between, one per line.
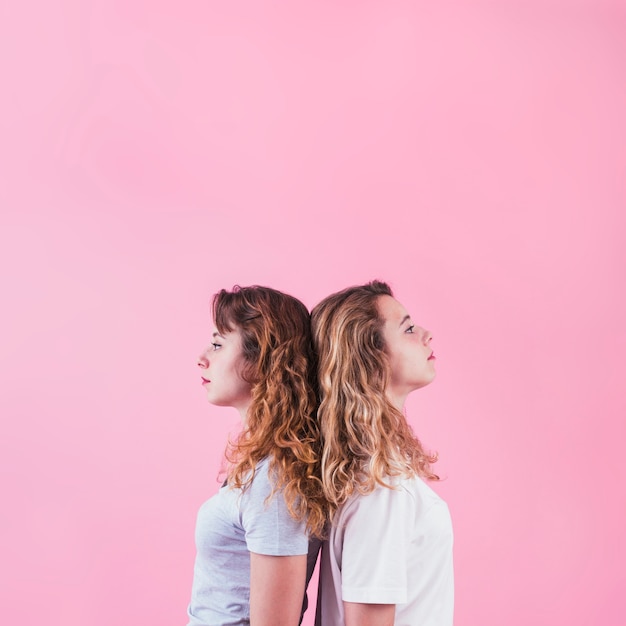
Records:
x=367, y=440
x=281, y=422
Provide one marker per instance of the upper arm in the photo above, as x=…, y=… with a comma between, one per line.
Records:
x=375, y=542
x=278, y=547
x=267, y=524
x=277, y=585
x=357, y=614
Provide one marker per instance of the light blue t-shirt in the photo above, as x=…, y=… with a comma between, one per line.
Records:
x=230, y=525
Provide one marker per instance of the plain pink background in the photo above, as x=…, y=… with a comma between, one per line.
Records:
x=472, y=154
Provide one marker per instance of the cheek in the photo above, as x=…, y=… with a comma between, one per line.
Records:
x=227, y=387
x=235, y=375
x=415, y=367
x=402, y=365
x=238, y=370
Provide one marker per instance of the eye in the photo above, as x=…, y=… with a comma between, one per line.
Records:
x=410, y=329
x=216, y=346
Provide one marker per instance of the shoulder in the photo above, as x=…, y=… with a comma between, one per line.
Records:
x=266, y=520
x=424, y=495
x=261, y=479
x=404, y=496
x=262, y=488
x=382, y=502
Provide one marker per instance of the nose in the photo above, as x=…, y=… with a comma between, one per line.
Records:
x=203, y=362
x=427, y=337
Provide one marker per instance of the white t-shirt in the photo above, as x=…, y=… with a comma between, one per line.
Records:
x=230, y=525
x=392, y=546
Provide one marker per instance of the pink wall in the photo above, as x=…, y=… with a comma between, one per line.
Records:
x=473, y=154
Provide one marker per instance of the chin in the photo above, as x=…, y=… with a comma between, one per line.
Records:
x=215, y=400
x=425, y=381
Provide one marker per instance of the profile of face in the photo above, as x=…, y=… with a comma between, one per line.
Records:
x=408, y=349
x=221, y=365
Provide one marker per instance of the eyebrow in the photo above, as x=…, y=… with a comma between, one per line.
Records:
x=404, y=319
x=216, y=334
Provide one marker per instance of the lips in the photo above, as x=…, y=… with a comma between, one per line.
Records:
x=205, y=380
x=432, y=356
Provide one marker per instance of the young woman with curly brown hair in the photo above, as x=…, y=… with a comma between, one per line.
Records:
x=388, y=558
x=257, y=537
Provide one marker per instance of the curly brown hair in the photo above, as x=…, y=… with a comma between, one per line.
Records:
x=281, y=421
x=367, y=440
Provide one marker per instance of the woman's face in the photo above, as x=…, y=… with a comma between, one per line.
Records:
x=408, y=348
x=221, y=366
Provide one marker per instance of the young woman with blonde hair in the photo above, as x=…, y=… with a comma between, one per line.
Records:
x=256, y=538
x=388, y=557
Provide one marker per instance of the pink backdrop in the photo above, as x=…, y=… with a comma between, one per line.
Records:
x=473, y=154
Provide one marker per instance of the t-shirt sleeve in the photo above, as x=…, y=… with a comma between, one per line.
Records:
x=268, y=527
x=375, y=545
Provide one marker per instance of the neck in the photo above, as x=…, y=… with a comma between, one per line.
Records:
x=397, y=399
x=243, y=413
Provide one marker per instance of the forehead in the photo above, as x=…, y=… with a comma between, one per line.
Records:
x=230, y=335
x=391, y=310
